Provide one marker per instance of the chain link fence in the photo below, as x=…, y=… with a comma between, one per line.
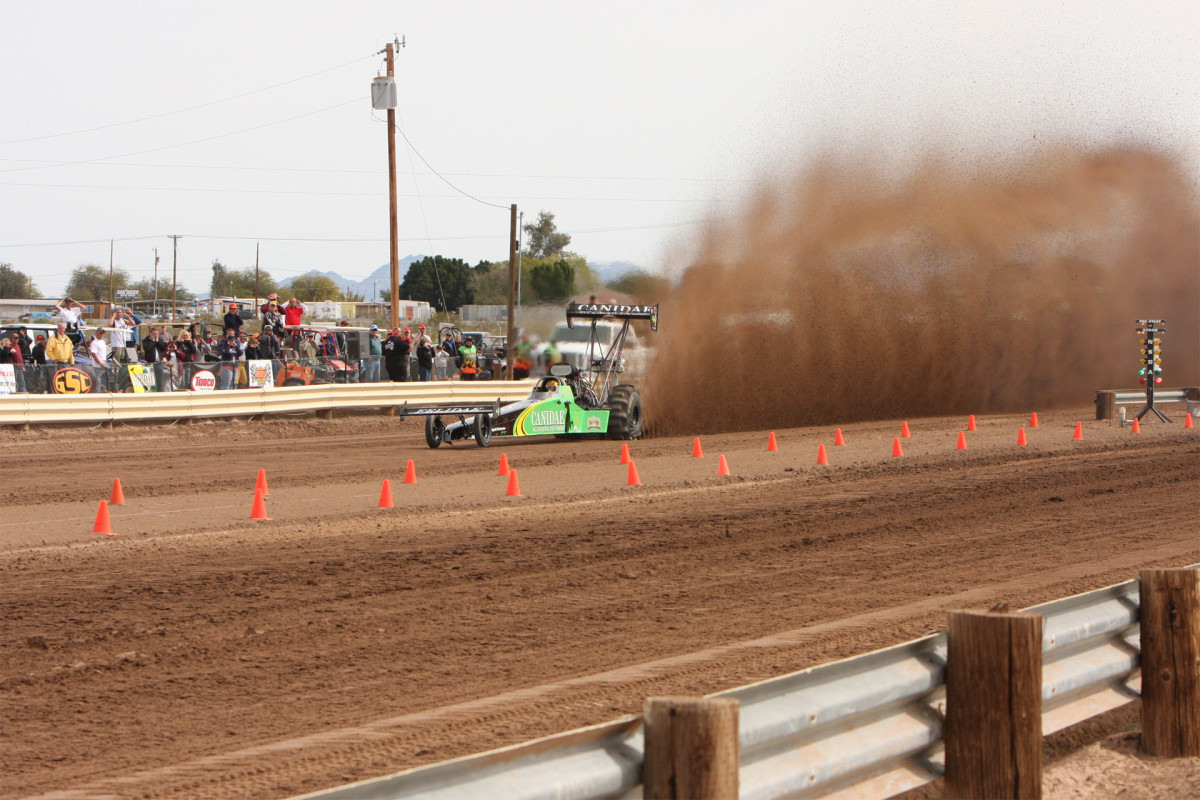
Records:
x=85, y=376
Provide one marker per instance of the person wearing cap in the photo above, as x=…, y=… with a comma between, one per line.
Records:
x=37, y=353
x=307, y=348
x=425, y=351
x=71, y=312
x=232, y=319
x=270, y=313
x=469, y=369
x=395, y=356
x=374, y=356
x=23, y=342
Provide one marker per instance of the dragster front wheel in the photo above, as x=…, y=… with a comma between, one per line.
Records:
x=435, y=431
x=483, y=430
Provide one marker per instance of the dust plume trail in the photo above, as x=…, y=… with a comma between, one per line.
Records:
x=850, y=294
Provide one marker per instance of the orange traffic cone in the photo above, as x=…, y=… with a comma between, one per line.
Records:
x=103, y=526
x=1078, y=431
x=904, y=430
x=514, y=485
x=385, y=495
x=897, y=450
x=625, y=459
x=822, y=458
x=1021, y=437
x=962, y=441
x=634, y=480
x=259, y=510
x=1187, y=421
x=772, y=445
x=1033, y=420
x=697, y=450
x=503, y=465
x=261, y=484
x=971, y=422
x=837, y=437
x=722, y=466
x=410, y=472
x=118, y=496
x=1136, y=427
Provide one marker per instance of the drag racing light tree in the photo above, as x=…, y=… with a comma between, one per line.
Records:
x=1151, y=362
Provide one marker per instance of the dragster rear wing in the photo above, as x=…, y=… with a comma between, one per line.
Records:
x=450, y=409
x=612, y=311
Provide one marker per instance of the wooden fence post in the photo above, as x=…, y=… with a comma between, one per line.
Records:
x=1170, y=631
x=993, y=729
x=691, y=749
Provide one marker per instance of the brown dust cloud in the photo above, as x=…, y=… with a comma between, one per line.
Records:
x=849, y=293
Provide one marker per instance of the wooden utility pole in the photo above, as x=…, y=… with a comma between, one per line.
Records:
x=112, y=297
x=391, y=126
x=691, y=749
x=256, y=303
x=174, y=276
x=510, y=350
x=993, y=729
x=1170, y=631
x=155, y=311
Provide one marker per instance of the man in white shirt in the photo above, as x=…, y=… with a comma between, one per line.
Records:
x=119, y=325
x=70, y=313
x=99, y=350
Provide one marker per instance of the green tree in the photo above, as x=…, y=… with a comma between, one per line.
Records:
x=15, y=284
x=240, y=282
x=543, y=239
x=555, y=282
x=91, y=282
x=423, y=277
x=309, y=288
x=146, y=287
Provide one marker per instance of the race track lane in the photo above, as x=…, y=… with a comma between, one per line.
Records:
x=244, y=661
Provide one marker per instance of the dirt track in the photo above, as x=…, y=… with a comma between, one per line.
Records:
x=200, y=655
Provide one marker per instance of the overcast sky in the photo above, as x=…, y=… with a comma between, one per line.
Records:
x=236, y=123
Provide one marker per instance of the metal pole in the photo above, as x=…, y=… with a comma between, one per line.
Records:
x=512, y=290
x=155, y=311
x=174, y=277
x=395, y=272
x=521, y=232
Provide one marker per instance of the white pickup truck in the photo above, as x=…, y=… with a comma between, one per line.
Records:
x=572, y=344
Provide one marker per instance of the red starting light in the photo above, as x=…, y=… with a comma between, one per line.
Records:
x=1158, y=380
x=1143, y=381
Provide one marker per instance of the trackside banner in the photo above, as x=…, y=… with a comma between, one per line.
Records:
x=8, y=379
x=142, y=377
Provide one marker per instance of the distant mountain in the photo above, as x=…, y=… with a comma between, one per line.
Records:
x=611, y=270
x=379, y=279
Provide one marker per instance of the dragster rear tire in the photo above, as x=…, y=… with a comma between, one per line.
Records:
x=624, y=413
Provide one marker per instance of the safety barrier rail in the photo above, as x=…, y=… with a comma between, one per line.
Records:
x=1107, y=399
x=870, y=724
x=32, y=409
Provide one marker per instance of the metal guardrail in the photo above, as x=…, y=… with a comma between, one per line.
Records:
x=864, y=727
x=32, y=409
x=1160, y=396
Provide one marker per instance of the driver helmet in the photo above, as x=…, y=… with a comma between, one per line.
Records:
x=552, y=384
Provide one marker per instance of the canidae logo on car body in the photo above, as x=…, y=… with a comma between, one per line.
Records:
x=547, y=417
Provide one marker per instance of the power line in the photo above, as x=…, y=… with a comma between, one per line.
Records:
x=443, y=178
x=185, y=110
x=184, y=144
